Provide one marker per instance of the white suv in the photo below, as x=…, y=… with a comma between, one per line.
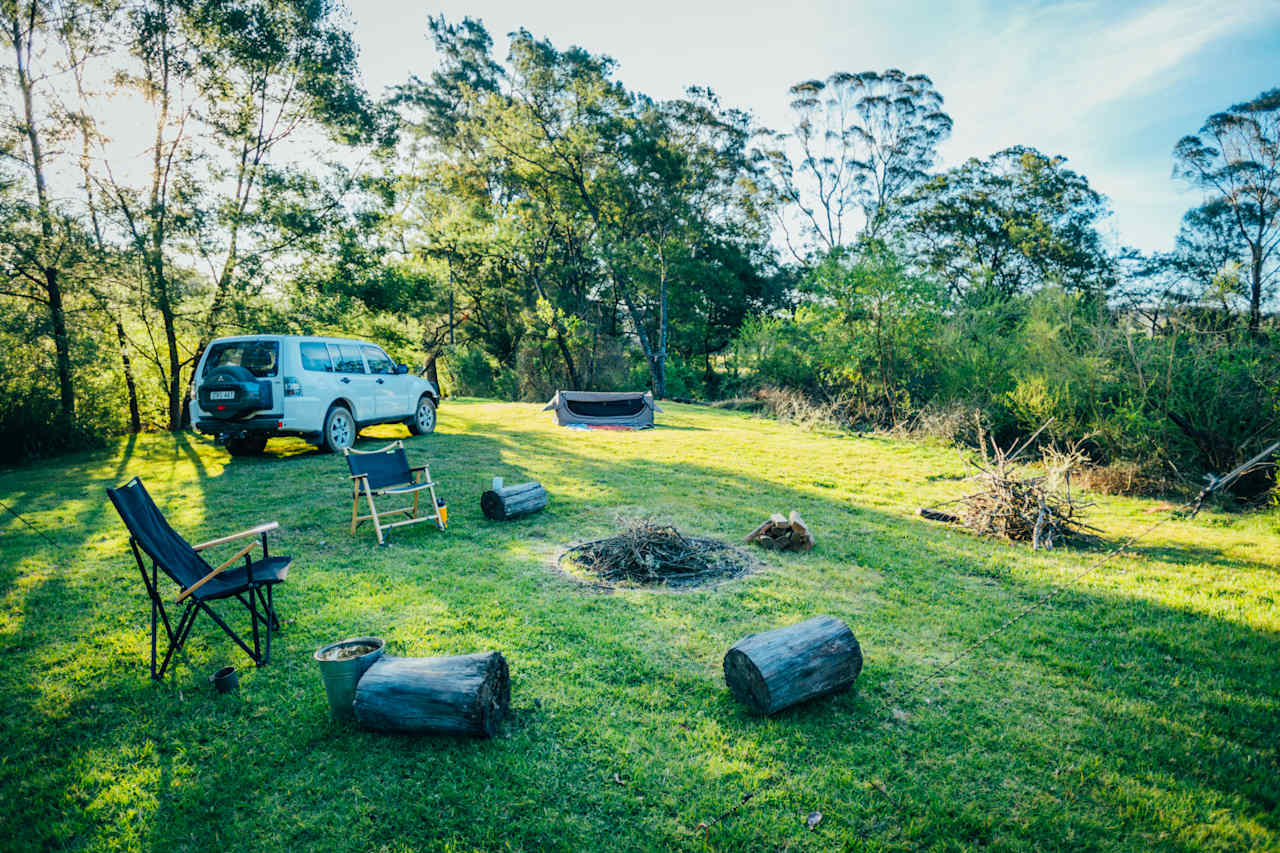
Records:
x=251, y=388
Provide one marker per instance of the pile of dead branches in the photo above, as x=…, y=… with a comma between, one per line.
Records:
x=650, y=552
x=1021, y=502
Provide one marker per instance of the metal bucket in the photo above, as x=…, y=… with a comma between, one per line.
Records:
x=340, y=676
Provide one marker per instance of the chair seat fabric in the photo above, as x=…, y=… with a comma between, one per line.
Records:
x=272, y=570
x=402, y=490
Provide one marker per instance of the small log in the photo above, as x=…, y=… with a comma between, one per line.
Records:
x=512, y=501
x=461, y=695
x=801, y=536
x=936, y=515
x=777, y=669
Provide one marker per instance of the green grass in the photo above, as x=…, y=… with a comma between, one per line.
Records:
x=1139, y=710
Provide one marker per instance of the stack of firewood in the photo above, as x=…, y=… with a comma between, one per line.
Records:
x=783, y=533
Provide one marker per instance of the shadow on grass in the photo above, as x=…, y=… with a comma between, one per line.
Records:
x=1145, y=694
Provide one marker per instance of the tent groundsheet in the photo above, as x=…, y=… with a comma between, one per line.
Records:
x=603, y=408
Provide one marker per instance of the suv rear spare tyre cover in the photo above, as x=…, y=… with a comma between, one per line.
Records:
x=230, y=391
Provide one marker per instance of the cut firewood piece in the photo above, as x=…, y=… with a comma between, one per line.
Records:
x=461, y=695
x=513, y=501
x=777, y=669
x=801, y=536
x=778, y=519
x=936, y=515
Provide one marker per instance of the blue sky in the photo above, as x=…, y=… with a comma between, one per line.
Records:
x=1110, y=85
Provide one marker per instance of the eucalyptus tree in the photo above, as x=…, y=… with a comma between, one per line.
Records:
x=1210, y=259
x=1007, y=224
x=858, y=142
x=228, y=82
x=1235, y=160
x=35, y=259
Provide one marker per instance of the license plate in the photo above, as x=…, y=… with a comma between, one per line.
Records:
x=222, y=395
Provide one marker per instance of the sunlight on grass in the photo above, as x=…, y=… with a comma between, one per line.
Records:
x=1137, y=710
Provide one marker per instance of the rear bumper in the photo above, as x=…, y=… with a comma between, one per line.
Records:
x=266, y=427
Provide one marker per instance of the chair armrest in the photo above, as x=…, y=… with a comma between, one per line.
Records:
x=253, y=531
x=418, y=468
x=204, y=580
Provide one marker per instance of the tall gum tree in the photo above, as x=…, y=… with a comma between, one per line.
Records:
x=35, y=267
x=858, y=142
x=1235, y=160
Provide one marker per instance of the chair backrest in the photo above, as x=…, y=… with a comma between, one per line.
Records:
x=173, y=554
x=386, y=467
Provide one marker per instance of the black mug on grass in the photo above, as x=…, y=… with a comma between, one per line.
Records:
x=225, y=680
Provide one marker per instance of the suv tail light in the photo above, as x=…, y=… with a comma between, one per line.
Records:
x=292, y=387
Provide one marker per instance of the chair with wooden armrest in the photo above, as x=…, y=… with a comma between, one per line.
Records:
x=384, y=473
x=199, y=583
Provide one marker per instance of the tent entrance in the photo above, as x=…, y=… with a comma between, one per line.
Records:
x=607, y=408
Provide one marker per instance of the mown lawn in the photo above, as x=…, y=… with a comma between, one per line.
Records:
x=1139, y=710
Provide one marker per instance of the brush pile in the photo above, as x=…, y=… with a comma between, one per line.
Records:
x=1020, y=502
x=653, y=553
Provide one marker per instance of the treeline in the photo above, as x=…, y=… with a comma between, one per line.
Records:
x=521, y=224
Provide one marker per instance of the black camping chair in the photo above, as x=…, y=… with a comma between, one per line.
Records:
x=384, y=472
x=250, y=584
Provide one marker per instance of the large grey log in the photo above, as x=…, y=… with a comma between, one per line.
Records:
x=466, y=694
x=512, y=501
x=777, y=669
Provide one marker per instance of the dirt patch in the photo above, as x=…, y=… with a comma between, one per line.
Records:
x=649, y=553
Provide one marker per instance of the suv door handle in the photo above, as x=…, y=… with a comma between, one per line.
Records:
x=345, y=380
x=379, y=381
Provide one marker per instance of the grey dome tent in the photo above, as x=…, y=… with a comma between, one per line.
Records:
x=603, y=408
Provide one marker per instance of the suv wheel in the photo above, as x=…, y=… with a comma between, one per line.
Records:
x=251, y=445
x=339, y=430
x=424, y=417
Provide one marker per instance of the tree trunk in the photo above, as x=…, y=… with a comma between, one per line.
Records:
x=61, y=345
x=777, y=669
x=512, y=501
x=463, y=695
x=21, y=42
x=135, y=416
x=1255, y=290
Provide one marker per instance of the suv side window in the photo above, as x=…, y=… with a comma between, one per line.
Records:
x=378, y=360
x=315, y=356
x=346, y=358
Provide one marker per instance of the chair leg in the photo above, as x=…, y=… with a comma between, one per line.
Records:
x=377, y=525
x=355, y=506
x=259, y=659
x=230, y=633
x=271, y=608
x=154, y=607
x=435, y=502
x=179, y=639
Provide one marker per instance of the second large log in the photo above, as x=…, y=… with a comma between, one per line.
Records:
x=513, y=501
x=777, y=669
x=462, y=695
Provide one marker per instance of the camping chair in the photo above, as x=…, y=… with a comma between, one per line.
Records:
x=199, y=583
x=385, y=472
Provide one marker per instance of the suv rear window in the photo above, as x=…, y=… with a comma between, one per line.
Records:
x=261, y=358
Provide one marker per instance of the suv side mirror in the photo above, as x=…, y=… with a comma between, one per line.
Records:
x=402, y=369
